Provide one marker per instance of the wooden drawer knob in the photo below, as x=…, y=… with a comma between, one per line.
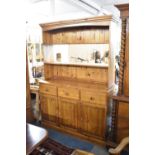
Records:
x=92, y=98
x=88, y=74
x=66, y=94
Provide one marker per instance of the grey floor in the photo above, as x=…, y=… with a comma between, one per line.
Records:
x=74, y=142
x=98, y=150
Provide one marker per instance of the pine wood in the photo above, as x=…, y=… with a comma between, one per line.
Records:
x=76, y=106
x=48, y=89
x=75, y=84
x=77, y=36
x=78, y=73
x=92, y=120
x=48, y=71
x=93, y=21
x=68, y=112
x=68, y=92
x=92, y=74
x=94, y=97
x=81, y=29
x=49, y=108
x=65, y=72
x=81, y=92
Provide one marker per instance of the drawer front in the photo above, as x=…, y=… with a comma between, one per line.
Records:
x=48, y=89
x=94, y=97
x=69, y=92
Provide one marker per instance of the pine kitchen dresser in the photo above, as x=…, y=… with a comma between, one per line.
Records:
x=74, y=97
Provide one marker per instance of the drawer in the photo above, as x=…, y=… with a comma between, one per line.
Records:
x=69, y=92
x=94, y=97
x=47, y=89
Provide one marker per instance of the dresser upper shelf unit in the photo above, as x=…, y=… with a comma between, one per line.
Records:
x=80, y=31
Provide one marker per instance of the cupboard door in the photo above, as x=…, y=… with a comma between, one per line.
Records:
x=122, y=121
x=92, y=120
x=68, y=112
x=49, y=108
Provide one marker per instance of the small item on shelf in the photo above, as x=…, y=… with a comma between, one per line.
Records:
x=81, y=59
x=106, y=57
x=97, y=57
x=58, y=57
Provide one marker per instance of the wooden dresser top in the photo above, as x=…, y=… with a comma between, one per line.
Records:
x=75, y=84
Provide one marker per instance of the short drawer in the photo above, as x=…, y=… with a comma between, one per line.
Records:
x=69, y=92
x=48, y=89
x=93, y=97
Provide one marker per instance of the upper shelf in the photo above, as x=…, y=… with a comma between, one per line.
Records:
x=94, y=21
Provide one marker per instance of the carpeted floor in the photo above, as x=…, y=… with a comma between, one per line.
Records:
x=76, y=143
x=69, y=141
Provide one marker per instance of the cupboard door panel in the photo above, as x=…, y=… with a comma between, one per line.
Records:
x=83, y=118
x=53, y=109
x=68, y=112
x=84, y=36
x=44, y=106
x=92, y=120
x=49, y=108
